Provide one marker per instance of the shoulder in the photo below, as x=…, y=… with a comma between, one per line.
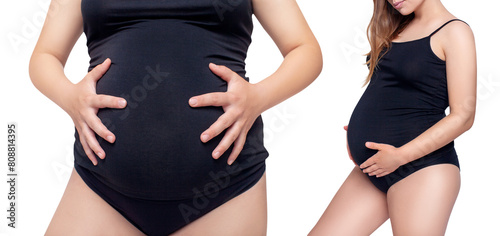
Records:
x=454, y=39
x=457, y=29
x=456, y=34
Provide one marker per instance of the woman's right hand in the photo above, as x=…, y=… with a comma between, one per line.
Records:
x=349, y=150
x=82, y=105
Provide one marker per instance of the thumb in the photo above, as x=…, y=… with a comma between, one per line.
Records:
x=374, y=146
x=222, y=71
x=98, y=71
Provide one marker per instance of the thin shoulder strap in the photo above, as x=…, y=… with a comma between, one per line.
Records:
x=435, y=31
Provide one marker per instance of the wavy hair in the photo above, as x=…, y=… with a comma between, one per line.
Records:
x=386, y=24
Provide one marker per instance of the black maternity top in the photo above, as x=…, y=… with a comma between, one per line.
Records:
x=160, y=52
x=407, y=95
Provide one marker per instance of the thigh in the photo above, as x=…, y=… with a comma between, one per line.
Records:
x=358, y=208
x=244, y=215
x=421, y=203
x=82, y=212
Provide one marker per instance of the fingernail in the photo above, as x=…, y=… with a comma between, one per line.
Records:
x=193, y=101
x=204, y=137
x=94, y=162
x=109, y=138
x=216, y=155
x=230, y=162
x=99, y=154
x=122, y=103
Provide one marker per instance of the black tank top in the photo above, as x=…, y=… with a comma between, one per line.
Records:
x=160, y=52
x=407, y=95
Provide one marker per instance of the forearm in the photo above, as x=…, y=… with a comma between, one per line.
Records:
x=299, y=68
x=439, y=135
x=47, y=74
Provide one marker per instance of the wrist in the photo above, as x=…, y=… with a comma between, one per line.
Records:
x=66, y=97
x=261, y=98
x=406, y=155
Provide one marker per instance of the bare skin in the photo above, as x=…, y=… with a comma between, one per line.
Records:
x=357, y=203
x=302, y=63
x=284, y=22
x=359, y=208
x=82, y=212
x=421, y=203
x=253, y=222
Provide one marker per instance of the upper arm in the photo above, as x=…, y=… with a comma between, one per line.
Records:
x=284, y=22
x=461, y=68
x=62, y=28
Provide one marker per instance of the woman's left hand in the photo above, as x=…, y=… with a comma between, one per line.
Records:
x=385, y=161
x=240, y=112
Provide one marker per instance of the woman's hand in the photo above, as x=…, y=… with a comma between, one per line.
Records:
x=82, y=105
x=347, y=145
x=240, y=111
x=385, y=161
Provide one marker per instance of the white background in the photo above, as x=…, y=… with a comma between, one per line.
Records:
x=304, y=135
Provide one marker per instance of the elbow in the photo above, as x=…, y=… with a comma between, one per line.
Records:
x=464, y=117
x=316, y=61
x=35, y=66
x=467, y=120
x=320, y=60
x=469, y=123
x=318, y=57
x=470, y=117
x=32, y=68
x=311, y=55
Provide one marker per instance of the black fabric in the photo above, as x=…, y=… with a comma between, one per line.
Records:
x=163, y=217
x=160, y=52
x=407, y=95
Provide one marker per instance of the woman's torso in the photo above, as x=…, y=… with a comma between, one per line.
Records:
x=160, y=51
x=407, y=94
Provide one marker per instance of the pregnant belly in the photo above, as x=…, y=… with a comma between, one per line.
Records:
x=395, y=128
x=158, y=147
x=158, y=151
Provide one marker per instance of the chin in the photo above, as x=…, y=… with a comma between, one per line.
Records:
x=405, y=12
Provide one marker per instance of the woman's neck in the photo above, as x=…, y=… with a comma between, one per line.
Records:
x=430, y=10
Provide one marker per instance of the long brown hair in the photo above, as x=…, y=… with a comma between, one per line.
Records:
x=385, y=26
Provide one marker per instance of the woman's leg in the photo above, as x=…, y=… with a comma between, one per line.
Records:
x=244, y=215
x=358, y=208
x=421, y=203
x=82, y=212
